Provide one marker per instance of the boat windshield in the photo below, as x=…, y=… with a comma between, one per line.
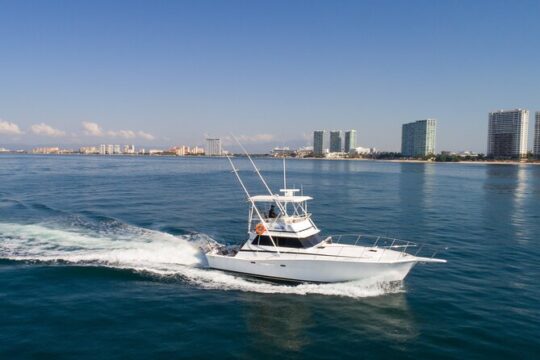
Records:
x=289, y=242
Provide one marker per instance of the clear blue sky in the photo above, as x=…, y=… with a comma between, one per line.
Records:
x=169, y=72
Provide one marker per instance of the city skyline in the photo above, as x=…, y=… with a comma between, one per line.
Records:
x=92, y=132
x=162, y=75
x=331, y=141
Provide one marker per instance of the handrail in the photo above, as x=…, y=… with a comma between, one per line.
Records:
x=290, y=218
x=359, y=237
x=384, y=243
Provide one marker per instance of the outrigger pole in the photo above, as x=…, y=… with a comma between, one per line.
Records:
x=235, y=171
x=284, y=175
x=280, y=206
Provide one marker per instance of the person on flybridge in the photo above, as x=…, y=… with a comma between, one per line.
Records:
x=272, y=213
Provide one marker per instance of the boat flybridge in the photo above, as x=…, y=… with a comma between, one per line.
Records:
x=285, y=244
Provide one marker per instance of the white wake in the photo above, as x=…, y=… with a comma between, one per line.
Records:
x=153, y=252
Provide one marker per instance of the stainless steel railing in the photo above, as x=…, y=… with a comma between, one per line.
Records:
x=385, y=243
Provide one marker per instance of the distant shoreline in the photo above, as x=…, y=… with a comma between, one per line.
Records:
x=404, y=161
x=413, y=161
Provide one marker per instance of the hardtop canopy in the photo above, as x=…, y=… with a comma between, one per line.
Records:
x=280, y=198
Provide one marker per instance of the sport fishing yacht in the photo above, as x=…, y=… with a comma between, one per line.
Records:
x=283, y=243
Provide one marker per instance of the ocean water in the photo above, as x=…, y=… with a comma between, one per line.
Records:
x=99, y=259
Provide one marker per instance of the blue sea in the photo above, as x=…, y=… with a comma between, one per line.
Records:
x=99, y=259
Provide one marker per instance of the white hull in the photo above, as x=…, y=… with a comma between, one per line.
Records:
x=311, y=270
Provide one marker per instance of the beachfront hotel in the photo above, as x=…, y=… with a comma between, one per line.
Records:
x=336, y=141
x=418, y=138
x=507, y=133
x=320, y=142
x=350, y=140
x=213, y=147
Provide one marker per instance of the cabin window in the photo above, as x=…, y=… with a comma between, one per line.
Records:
x=289, y=242
x=312, y=241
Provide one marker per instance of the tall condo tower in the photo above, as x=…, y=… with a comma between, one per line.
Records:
x=418, y=138
x=320, y=142
x=350, y=140
x=507, y=133
x=336, y=141
x=213, y=147
x=537, y=135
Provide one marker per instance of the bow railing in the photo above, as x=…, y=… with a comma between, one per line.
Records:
x=370, y=242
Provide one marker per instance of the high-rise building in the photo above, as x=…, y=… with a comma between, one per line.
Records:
x=418, y=138
x=129, y=149
x=180, y=150
x=536, y=149
x=89, y=150
x=213, y=147
x=197, y=151
x=350, y=140
x=507, y=133
x=102, y=149
x=336, y=141
x=320, y=142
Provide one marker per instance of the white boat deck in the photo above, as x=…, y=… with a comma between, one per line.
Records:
x=332, y=252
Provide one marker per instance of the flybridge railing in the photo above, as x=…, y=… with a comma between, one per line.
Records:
x=374, y=242
x=290, y=219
